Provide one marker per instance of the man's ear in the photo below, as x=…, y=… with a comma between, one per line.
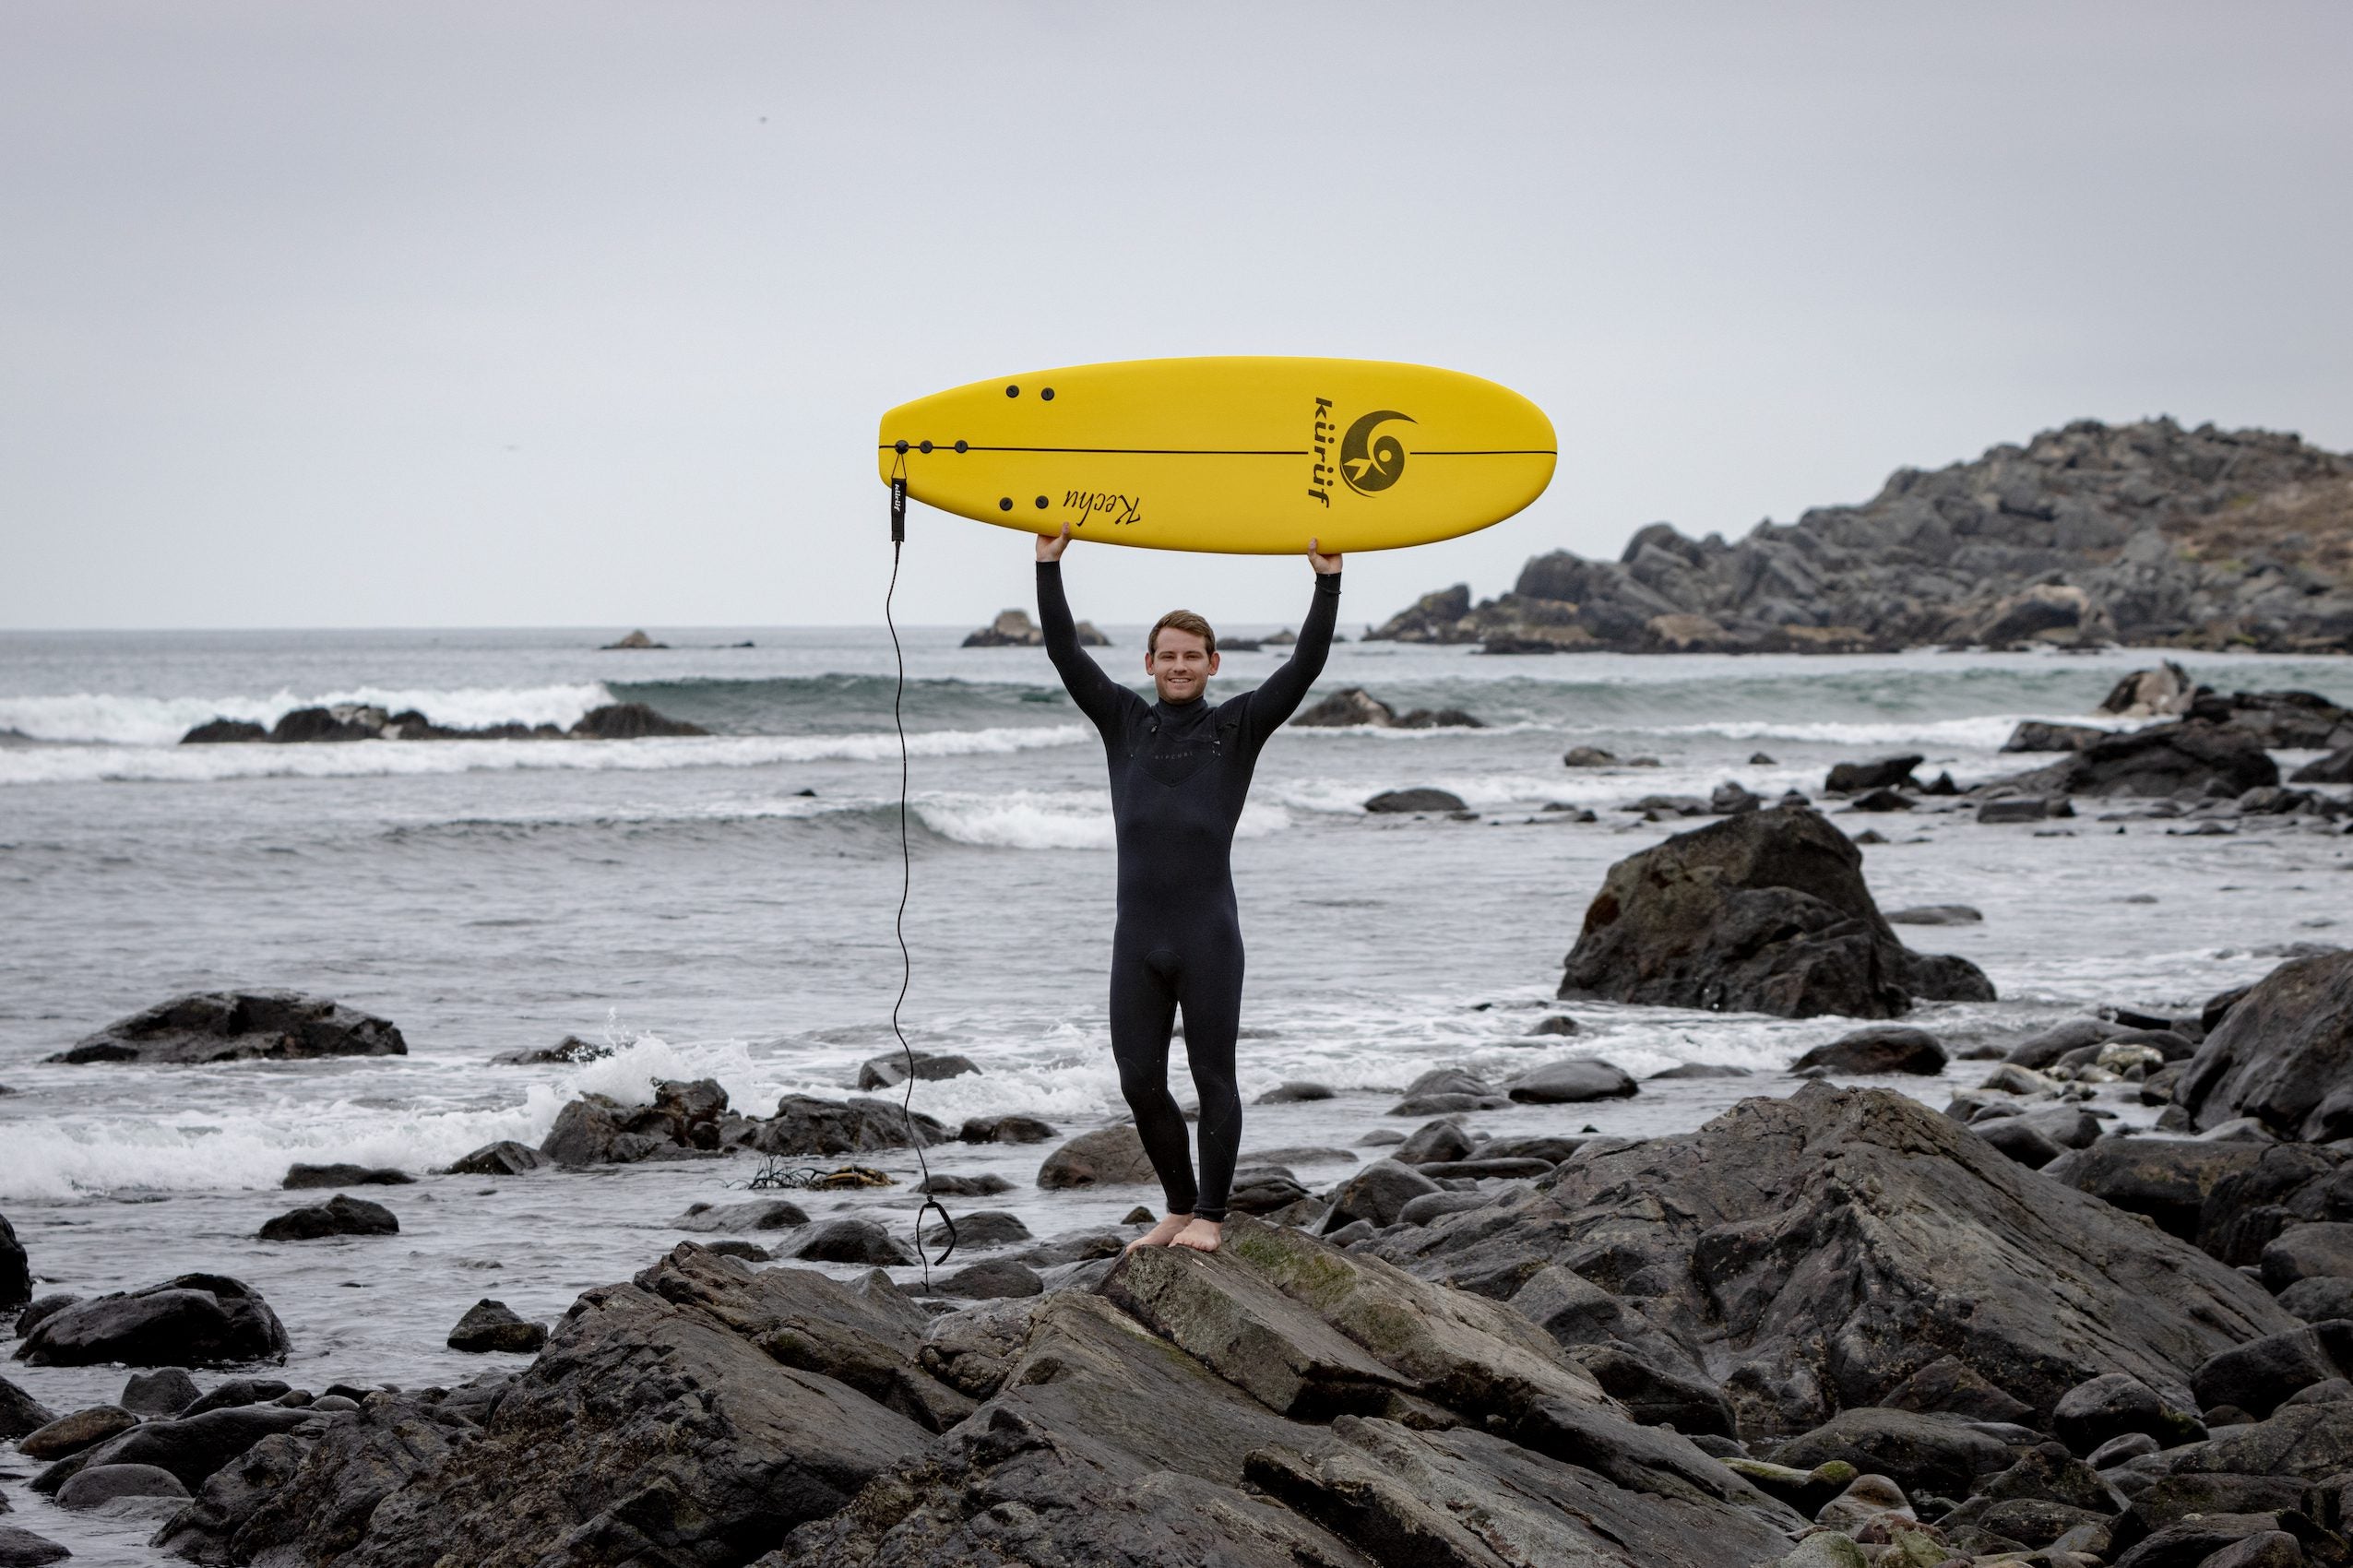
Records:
x=1213, y=664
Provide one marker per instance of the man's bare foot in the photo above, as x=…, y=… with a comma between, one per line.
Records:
x=1201, y=1235
x=1163, y=1234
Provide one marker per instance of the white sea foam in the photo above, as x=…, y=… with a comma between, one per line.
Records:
x=1028, y=819
x=107, y=718
x=359, y=759
x=1983, y=732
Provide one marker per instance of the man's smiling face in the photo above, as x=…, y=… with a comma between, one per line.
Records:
x=1180, y=663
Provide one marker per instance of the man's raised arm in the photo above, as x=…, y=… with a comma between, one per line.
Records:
x=1282, y=692
x=1097, y=695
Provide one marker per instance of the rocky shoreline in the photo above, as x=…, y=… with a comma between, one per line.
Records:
x=2143, y=534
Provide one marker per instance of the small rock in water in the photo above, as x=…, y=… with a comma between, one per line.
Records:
x=855, y=1240
x=889, y=1070
x=1702, y=1070
x=997, y=1278
x=192, y=1320
x=221, y=1025
x=104, y=1483
x=1419, y=799
x=71, y=1434
x=1558, y=1024
x=299, y=1176
x=750, y=1252
x=1139, y=1214
x=1292, y=1092
x=164, y=1392
x=1588, y=756
x=1005, y=1130
x=982, y=1228
x=1890, y=1048
x=1759, y=759
x=22, y=1548
x=1882, y=801
x=1857, y=778
x=492, y=1326
x=504, y=1158
x=1935, y=914
x=1109, y=1156
x=741, y=1219
x=1568, y=1082
x=339, y=1215
x=982, y=1186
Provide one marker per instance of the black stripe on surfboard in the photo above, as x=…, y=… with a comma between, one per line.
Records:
x=1222, y=451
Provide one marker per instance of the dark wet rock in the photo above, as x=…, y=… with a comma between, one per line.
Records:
x=994, y=1280
x=2050, y=1472
x=492, y=1326
x=1557, y=1024
x=2038, y=735
x=16, y=1272
x=2258, y=1377
x=1572, y=1082
x=750, y=1252
x=629, y=721
x=889, y=1070
x=2283, y=1054
x=2021, y=808
x=2100, y=1409
x=104, y=1483
x=2166, y=1179
x=22, y=1548
x=1440, y=718
x=160, y=1392
x=805, y=1125
x=1858, y=1220
x=2335, y=769
x=1107, y=1157
x=683, y=1120
x=21, y=1412
x=313, y=1500
x=1434, y=1141
x=1265, y=1191
x=1731, y=798
x=2318, y=1300
x=743, y=1219
x=1936, y=914
x=1655, y=1395
x=2119, y=1449
x=1419, y=799
x=2316, y=1251
x=2019, y=1139
x=1291, y=1093
x=224, y=731
x=299, y=1176
x=230, y=1393
x=1377, y=1193
x=226, y=1025
x=1702, y=1070
x=854, y=1240
x=504, y=1158
x=986, y=1185
x=1892, y=1048
x=1882, y=801
x=1887, y=773
x=1444, y=1092
x=1347, y=707
x=1588, y=756
x=2165, y=758
x=1005, y=1130
x=193, y=1320
x=1949, y=1386
x=339, y=1215
x=1919, y=1453
x=691, y=1416
x=1430, y=1205
x=71, y=1434
x=191, y=1447
x=1763, y=912
x=570, y=1050
x=1481, y=1165
x=982, y=1228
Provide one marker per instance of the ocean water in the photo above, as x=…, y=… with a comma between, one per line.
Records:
x=722, y=907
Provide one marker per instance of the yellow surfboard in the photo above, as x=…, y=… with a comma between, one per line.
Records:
x=1236, y=454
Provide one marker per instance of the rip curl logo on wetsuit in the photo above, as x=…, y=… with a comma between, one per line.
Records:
x=1370, y=463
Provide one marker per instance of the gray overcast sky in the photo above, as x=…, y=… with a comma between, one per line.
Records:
x=408, y=314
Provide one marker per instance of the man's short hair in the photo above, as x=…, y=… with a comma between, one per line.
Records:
x=1184, y=621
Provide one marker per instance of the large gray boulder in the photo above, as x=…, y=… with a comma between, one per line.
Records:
x=1281, y=1402
x=1835, y=1243
x=1107, y=1157
x=239, y=1026
x=194, y=1320
x=684, y=1120
x=2283, y=1055
x=2165, y=758
x=805, y=1125
x=675, y=1419
x=1763, y=912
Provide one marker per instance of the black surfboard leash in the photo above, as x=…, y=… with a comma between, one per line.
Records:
x=906, y=882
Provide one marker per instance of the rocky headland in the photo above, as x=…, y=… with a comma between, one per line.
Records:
x=2145, y=534
x=365, y=721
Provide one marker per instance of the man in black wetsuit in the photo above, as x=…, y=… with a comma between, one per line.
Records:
x=1180, y=771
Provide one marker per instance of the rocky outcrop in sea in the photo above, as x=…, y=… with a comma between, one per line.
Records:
x=365, y=721
x=2144, y=533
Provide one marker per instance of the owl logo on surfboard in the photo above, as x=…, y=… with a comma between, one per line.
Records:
x=1369, y=465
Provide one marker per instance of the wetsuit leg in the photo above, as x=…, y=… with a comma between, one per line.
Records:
x=1144, y=1003
x=1210, y=990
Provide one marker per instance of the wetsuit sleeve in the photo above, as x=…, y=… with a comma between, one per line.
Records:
x=1097, y=696
x=1280, y=698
